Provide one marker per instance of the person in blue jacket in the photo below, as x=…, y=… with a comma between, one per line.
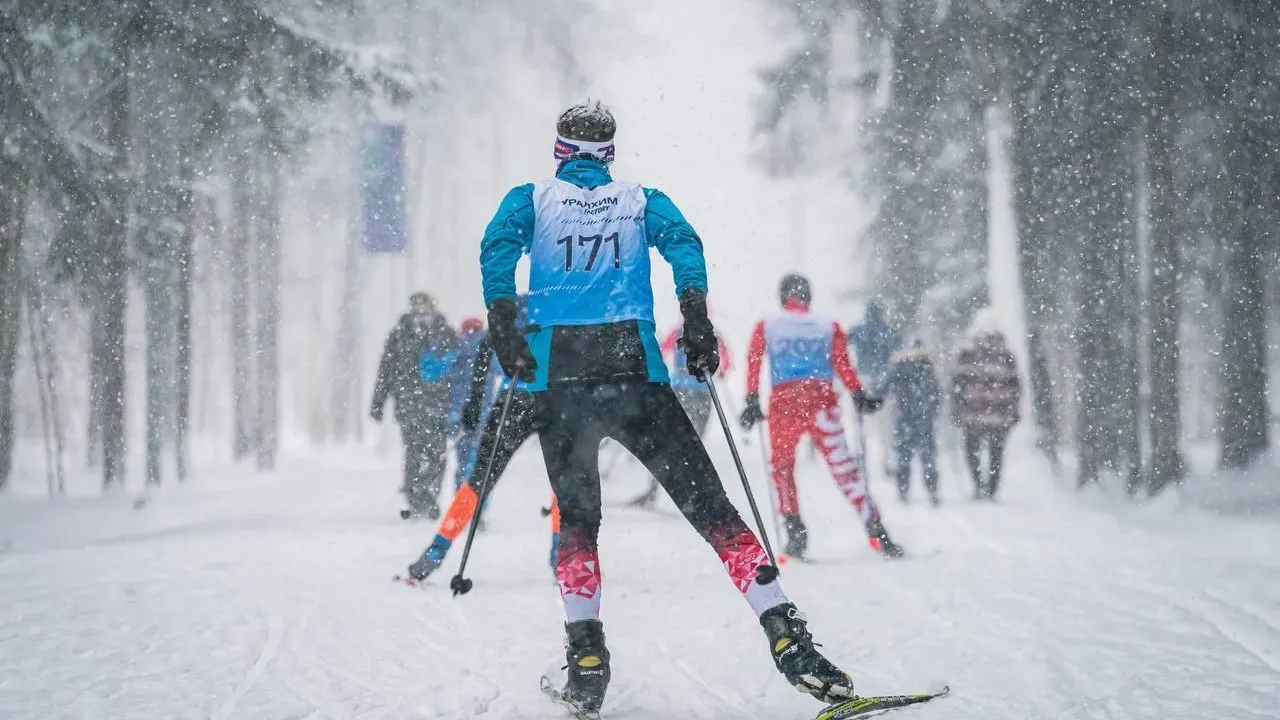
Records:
x=471, y=333
x=912, y=382
x=593, y=364
x=874, y=342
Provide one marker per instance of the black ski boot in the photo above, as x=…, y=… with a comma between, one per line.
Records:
x=796, y=658
x=797, y=536
x=878, y=539
x=587, y=665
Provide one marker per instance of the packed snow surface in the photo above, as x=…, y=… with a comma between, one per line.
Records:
x=266, y=598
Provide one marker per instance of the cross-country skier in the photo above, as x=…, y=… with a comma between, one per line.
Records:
x=806, y=353
x=592, y=361
x=471, y=334
x=519, y=426
x=692, y=393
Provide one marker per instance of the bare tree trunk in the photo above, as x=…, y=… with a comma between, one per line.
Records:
x=46, y=431
x=45, y=362
x=241, y=348
x=348, y=401
x=182, y=360
x=1244, y=418
x=268, y=306
x=159, y=332
x=1103, y=207
x=13, y=202
x=107, y=353
x=1021, y=56
x=1164, y=422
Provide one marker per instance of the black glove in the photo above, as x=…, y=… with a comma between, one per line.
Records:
x=375, y=412
x=509, y=344
x=470, y=417
x=699, y=342
x=751, y=414
x=865, y=403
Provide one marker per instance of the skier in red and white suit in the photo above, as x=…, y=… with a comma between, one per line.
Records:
x=806, y=353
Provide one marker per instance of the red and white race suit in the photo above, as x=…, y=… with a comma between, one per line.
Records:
x=806, y=354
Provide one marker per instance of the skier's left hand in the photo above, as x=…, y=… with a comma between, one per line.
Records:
x=699, y=342
x=470, y=417
x=866, y=403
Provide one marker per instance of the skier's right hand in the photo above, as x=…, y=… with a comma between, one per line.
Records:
x=509, y=344
x=375, y=412
x=699, y=342
x=751, y=414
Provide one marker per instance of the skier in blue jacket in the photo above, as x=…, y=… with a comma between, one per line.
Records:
x=593, y=364
x=466, y=438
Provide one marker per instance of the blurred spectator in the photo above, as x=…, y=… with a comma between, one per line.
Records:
x=912, y=382
x=985, y=393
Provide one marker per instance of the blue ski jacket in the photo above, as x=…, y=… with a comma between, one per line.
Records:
x=581, y=351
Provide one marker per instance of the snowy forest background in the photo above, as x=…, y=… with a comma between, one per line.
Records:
x=182, y=282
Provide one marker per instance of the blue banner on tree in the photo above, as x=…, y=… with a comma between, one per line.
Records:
x=382, y=188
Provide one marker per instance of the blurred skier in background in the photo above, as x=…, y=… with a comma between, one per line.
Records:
x=414, y=374
x=482, y=402
x=592, y=362
x=465, y=440
x=806, y=353
x=693, y=394
x=874, y=342
x=985, y=393
x=912, y=382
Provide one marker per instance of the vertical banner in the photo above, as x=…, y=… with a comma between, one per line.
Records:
x=382, y=188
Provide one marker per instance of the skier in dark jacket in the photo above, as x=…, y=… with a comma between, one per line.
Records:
x=913, y=383
x=414, y=373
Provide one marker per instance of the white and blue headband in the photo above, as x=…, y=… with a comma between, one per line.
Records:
x=565, y=149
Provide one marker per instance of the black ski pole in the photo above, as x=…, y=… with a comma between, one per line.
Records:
x=766, y=576
x=459, y=584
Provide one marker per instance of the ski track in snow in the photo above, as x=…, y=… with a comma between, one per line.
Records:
x=237, y=598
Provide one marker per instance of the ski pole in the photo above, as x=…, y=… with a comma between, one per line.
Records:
x=862, y=446
x=459, y=584
x=768, y=473
x=766, y=576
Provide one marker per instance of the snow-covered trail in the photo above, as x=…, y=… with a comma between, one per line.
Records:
x=270, y=598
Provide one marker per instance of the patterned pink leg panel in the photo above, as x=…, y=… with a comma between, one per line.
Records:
x=578, y=571
x=742, y=555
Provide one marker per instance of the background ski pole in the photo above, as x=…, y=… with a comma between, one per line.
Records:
x=766, y=576
x=862, y=447
x=768, y=473
x=459, y=584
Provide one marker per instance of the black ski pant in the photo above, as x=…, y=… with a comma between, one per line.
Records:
x=697, y=405
x=906, y=445
x=426, y=441
x=648, y=421
x=521, y=423
x=973, y=442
